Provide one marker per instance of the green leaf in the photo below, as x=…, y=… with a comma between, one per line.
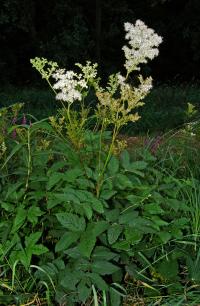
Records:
x=122, y=245
x=97, y=206
x=164, y=236
x=88, y=210
x=98, y=281
x=33, y=213
x=125, y=159
x=113, y=166
x=19, y=219
x=138, y=165
x=103, y=267
x=107, y=194
x=103, y=253
x=83, y=291
x=32, y=239
x=133, y=236
x=70, y=176
x=113, y=233
x=87, y=242
x=100, y=227
x=39, y=249
x=71, y=222
x=115, y=298
x=54, y=179
x=68, y=196
x=153, y=208
x=66, y=240
x=122, y=182
x=70, y=279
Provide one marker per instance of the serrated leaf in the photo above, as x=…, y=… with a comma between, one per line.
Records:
x=100, y=227
x=33, y=213
x=88, y=210
x=70, y=279
x=122, y=182
x=54, y=179
x=103, y=253
x=97, y=206
x=164, y=236
x=19, y=219
x=83, y=291
x=104, y=267
x=32, y=239
x=125, y=159
x=71, y=175
x=113, y=166
x=67, y=197
x=133, y=236
x=113, y=233
x=87, y=242
x=66, y=240
x=107, y=194
x=39, y=249
x=98, y=281
x=72, y=222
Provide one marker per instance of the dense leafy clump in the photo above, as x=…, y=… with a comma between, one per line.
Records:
x=83, y=218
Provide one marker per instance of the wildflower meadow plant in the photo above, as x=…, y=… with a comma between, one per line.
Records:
x=116, y=102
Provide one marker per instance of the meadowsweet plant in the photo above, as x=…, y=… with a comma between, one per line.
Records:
x=116, y=102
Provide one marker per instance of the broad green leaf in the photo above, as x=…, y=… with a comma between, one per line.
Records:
x=66, y=240
x=115, y=298
x=103, y=267
x=98, y=281
x=97, y=206
x=67, y=197
x=32, y=239
x=122, y=245
x=71, y=175
x=103, y=253
x=125, y=159
x=83, y=291
x=70, y=280
x=128, y=216
x=54, y=179
x=72, y=222
x=87, y=209
x=113, y=166
x=87, y=242
x=33, y=213
x=133, y=236
x=138, y=165
x=112, y=215
x=19, y=219
x=164, y=236
x=107, y=194
x=153, y=208
x=113, y=233
x=99, y=227
x=39, y=249
x=122, y=182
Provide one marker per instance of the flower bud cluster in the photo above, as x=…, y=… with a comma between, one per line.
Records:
x=69, y=84
x=143, y=43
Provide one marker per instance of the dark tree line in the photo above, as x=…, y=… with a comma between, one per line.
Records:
x=70, y=31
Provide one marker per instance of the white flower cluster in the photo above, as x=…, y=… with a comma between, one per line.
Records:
x=143, y=43
x=70, y=85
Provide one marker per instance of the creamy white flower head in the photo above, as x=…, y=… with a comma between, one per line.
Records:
x=70, y=85
x=143, y=43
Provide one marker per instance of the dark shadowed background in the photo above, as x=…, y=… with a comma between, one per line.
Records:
x=70, y=31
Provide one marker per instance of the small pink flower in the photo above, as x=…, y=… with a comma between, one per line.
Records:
x=24, y=120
